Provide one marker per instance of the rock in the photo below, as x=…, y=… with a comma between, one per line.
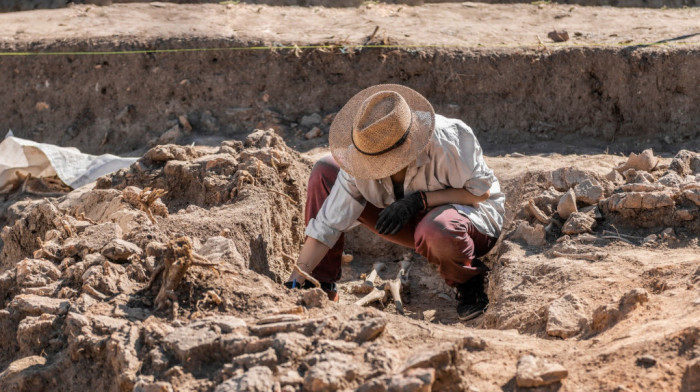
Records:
x=567, y=204
x=438, y=358
x=313, y=133
x=266, y=358
x=311, y=120
x=637, y=201
x=589, y=192
x=578, y=223
x=686, y=162
x=331, y=375
x=615, y=177
x=36, y=273
x=639, y=187
x=637, y=177
x=291, y=345
x=107, y=278
x=414, y=380
x=314, y=298
x=120, y=250
x=219, y=248
x=256, y=379
x=568, y=177
x=362, y=328
x=94, y=238
x=670, y=179
x=566, y=317
x=35, y=305
x=646, y=161
x=170, y=136
x=186, y=342
x=537, y=372
x=20, y=365
x=646, y=361
x=33, y=333
x=692, y=195
x=558, y=35
x=532, y=235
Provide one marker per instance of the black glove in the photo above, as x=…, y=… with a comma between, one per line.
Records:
x=394, y=217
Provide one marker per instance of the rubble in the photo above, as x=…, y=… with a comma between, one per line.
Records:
x=567, y=204
x=566, y=317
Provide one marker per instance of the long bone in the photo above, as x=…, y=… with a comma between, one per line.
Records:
x=376, y=267
x=373, y=296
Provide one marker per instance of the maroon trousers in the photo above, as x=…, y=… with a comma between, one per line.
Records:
x=442, y=235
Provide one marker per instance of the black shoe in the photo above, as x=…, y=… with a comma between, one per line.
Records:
x=472, y=300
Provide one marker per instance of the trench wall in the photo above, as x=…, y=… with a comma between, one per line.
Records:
x=118, y=103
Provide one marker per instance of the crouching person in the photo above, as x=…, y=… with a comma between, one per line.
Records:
x=412, y=177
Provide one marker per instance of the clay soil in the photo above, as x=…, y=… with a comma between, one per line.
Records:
x=166, y=276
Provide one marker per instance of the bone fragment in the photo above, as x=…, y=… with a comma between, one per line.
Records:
x=373, y=296
x=536, y=212
x=279, y=318
x=394, y=287
x=307, y=276
x=376, y=267
x=596, y=256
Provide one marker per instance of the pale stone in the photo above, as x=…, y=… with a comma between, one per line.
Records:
x=578, y=223
x=36, y=273
x=256, y=379
x=567, y=204
x=120, y=250
x=532, y=235
x=645, y=161
x=589, y=191
x=537, y=372
x=566, y=317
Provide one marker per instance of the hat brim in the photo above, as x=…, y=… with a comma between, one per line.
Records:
x=374, y=167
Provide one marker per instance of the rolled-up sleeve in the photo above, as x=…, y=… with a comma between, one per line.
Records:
x=338, y=213
x=464, y=162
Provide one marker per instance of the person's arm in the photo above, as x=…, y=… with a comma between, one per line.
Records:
x=454, y=196
x=312, y=252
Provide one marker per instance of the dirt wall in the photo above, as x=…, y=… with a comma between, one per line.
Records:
x=584, y=96
x=24, y=5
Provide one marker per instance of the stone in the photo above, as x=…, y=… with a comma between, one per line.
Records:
x=291, y=345
x=646, y=361
x=256, y=379
x=645, y=161
x=619, y=202
x=266, y=358
x=566, y=317
x=36, y=273
x=670, y=179
x=219, y=248
x=311, y=120
x=638, y=187
x=19, y=366
x=330, y=376
x=615, y=177
x=187, y=342
x=568, y=177
x=686, y=162
x=438, y=358
x=567, y=204
x=414, y=380
x=589, y=191
x=692, y=195
x=532, y=235
x=94, y=238
x=363, y=329
x=35, y=305
x=604, y=316
x=313, y=133
x=33, y=333
x=578, y=223
x=170, y=136
x=120, y=251
x=558, y=35
x=537, y=372
x=314, y=298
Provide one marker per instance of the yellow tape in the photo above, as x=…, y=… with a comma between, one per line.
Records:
x=346, y=47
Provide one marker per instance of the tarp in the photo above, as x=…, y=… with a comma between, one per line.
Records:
x=73, y=167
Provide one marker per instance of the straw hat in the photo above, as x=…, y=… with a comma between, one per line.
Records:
x=381, y=130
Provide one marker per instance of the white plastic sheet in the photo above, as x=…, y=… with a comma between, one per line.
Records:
x=73, y=167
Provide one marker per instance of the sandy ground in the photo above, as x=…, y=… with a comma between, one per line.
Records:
x=448, y=24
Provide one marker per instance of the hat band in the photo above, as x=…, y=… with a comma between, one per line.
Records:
x=399, y=142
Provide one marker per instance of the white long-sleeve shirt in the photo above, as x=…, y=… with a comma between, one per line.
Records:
x=452, y=159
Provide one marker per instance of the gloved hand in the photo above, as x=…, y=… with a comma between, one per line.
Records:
x=394, y=217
